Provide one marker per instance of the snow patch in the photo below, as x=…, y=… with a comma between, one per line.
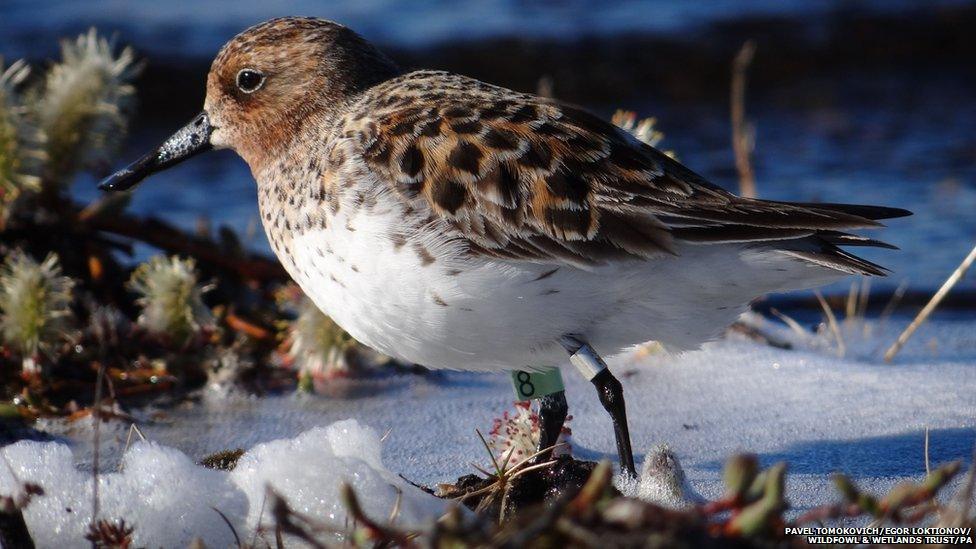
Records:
x=170, y=500
x=308, y=470
x=662, y=481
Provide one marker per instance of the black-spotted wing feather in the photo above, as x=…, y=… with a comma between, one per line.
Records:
x=523, y=177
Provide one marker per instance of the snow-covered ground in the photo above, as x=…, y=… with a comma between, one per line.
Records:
x=808, y=407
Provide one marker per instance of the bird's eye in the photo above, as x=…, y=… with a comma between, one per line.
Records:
x=249, y=80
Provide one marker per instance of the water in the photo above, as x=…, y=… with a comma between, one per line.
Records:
x=882, y=140
x=197, y=29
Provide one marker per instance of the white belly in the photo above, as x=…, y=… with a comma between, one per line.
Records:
x=431, y=306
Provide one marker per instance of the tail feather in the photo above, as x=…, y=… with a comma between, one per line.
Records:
x=824, y=246
x=812, y=232
x=846, y=239
x=839, y=260
x=859, y=210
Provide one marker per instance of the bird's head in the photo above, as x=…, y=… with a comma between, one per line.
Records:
x=264, y=87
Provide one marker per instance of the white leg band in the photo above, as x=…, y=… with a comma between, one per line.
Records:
x=587, y=362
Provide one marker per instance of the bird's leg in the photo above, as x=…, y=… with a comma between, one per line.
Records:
x=609, y=389
x=612, y=397
x=552, y=415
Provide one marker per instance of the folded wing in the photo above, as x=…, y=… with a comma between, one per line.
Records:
x=522, y=177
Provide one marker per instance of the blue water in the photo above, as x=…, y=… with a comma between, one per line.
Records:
x=873, y=144
x=197, y=29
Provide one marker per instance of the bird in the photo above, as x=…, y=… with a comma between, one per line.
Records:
x=461, y=225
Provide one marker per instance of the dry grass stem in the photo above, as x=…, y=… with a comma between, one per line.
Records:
x=832, y=324
x=865, y=294
x=133, y=429
x=947, y=286
x=850, y=305
x=397, y=504
x=789, y=321
x=237, y=539
x=895, y=300
x=743, y=134
x=97, y=418
x=928, y=468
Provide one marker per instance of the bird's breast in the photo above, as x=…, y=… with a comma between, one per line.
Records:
x=366, y=264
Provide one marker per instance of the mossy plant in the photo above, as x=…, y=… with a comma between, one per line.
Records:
x=319, y=348
x=35, y=306
x=644, y=129
x=171, y=299
x=85, y=103
x=515, y=436
x=20, y=153
x=224, y=460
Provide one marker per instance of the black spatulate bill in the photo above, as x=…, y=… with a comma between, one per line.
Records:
x=189, y=141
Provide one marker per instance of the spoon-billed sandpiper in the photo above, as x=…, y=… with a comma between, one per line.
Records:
x=461, y=225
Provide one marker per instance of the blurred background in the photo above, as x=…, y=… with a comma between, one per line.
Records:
x=866, y=101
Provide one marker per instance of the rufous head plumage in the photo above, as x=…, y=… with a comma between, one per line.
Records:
x=267, y=84
x=274, y=77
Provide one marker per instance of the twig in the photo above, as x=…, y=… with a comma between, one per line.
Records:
x=161, y=235
x=505, y=474
x=233, y=530
x=928, y=470
x=247, y=327
x=743, y=136
x=756, y=334
x=97, y=417
x=285, y=521
x=376, y=531
x=133, y=428
x=427, y=489
x=953, y=279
